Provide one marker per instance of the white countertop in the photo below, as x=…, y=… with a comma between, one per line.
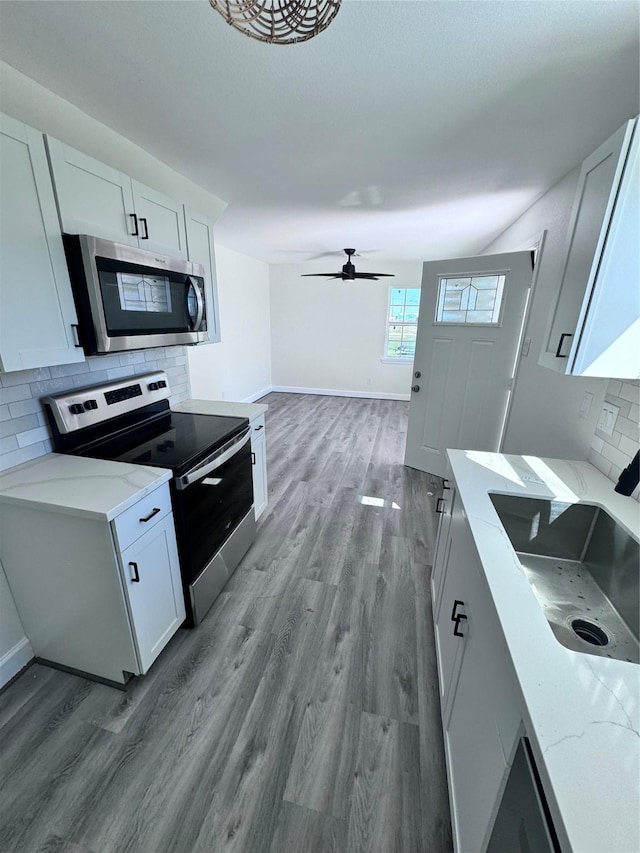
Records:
x=222, y=407
x=74, y=485
x=582, y=711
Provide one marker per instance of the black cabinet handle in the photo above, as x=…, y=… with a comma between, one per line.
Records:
x=441, y=505
x=75, y=326
x=457, y=625
x=257, y=429
x=136, y=573
x=559, y=350
x=445, y=484
x=253, y=458
x=136, y=233
x=456, y=604
x=145, y=236
x=153, y=512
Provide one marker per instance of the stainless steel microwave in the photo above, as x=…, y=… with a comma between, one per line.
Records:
x=129, y=298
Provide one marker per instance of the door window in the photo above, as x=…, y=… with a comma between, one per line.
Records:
x=470, y=299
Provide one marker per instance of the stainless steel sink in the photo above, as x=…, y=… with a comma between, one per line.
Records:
x=584, y=569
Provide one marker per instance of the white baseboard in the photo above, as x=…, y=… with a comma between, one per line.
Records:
x=14, y=660
x=253, y=397
x=332, y=392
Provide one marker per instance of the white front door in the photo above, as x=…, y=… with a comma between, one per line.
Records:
x=471, y=312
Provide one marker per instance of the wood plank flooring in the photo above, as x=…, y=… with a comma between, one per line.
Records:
x=302, y=716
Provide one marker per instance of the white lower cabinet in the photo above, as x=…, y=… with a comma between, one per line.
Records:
x=480, y=712
x=259, y=460
x=87, y=602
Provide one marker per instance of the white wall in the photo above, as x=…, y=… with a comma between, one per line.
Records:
x=544, y=416
x=239, y=367
x=28, y=101
x=329, y=335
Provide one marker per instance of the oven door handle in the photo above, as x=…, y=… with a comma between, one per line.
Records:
x=200, y=473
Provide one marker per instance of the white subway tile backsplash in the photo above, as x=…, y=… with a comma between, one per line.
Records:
x=8, y=444
x=615, y=456
x=631, y=391
x=25, y=407
x=600, y=462
x=22, y=377
x=14, y=393
x=611, y=453
x=33, y=436
x=23, y=422
x=17, y=425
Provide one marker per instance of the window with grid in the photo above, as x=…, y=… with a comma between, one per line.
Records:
x=402, y=323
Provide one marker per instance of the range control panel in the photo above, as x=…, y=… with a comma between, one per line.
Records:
x=85, y=407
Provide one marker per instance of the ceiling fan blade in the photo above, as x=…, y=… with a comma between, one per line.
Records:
x=328, y=274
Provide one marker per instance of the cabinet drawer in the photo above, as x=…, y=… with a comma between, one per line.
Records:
x=257, y=427
x=136, y=520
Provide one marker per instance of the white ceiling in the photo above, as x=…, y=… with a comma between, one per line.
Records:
x=412, y=129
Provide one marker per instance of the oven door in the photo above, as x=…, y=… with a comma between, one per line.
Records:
x=211, y=502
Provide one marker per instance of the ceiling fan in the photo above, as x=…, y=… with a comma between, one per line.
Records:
x=349, y=271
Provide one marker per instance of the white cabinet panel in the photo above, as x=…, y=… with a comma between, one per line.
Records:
x=600, y=240
x=135, y=521
x=92, y=197
x=259, y=451
x=38, y=313
x=160, y=221
x=151, y=576
x=201, y=250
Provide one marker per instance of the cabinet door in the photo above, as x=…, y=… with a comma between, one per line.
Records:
x=484, y=725
x=92, y=197
x=609, y=339
x=200, y=246
x=151, y=575
x=259, y=458
x=595, y=198
x=445, y=507
x=160, y=221
x=38, y=313
x=450, y=633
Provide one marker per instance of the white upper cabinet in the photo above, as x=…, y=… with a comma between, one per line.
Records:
x=200, y=247
x=38, y=313
x=593, y=327
x=95, y=199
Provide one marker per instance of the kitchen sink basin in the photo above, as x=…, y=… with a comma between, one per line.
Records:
x=584, y=569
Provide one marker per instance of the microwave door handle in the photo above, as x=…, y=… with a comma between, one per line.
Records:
x=205, y=470
x=200, y=300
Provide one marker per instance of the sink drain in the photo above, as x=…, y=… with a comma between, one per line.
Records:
x=589, y=632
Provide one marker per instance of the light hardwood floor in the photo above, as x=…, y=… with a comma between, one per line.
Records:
x=302, y=716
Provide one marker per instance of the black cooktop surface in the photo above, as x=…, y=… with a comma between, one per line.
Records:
x=177, y=440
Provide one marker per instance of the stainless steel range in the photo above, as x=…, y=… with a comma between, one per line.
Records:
x=210, y=456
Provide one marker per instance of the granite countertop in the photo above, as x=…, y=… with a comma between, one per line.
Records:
x=75, y=485
x=582, y=712
x=222, y=407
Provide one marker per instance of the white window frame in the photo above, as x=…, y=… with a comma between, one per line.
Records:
x=404, y=359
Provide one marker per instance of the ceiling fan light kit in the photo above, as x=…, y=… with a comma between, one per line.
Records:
x=349, y=271
x=278, y=21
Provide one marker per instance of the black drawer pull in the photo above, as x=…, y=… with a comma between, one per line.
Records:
x=559, y=350
x=445, y=484
x=257, y=429
x=145, y=236
x=136, y=573
x=253, y=458
x=136, y=233
x=153, y=512
x=441, y=505
x=455, y=607
x=75, y=326
x=457, y=625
